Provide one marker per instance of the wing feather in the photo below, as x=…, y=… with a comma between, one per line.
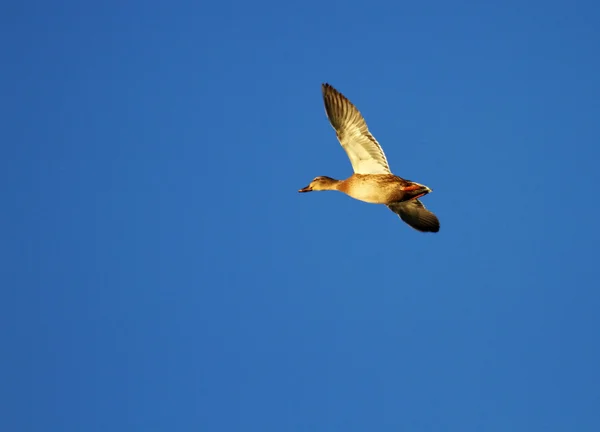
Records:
x=364, y=152
x=415, y=214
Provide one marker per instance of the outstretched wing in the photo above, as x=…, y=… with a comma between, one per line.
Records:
x=364, y=152
x=414, y=213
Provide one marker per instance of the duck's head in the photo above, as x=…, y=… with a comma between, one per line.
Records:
x=320, y=183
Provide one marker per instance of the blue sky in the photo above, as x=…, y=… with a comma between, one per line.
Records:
x=160, y=272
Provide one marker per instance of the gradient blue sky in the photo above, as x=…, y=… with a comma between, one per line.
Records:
x=160, y=272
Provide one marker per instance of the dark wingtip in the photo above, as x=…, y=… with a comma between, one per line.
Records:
x=425, y=225
x=428, y=222
x=326, y=87
x=415, y=214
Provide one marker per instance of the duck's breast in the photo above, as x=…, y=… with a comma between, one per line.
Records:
x=373, y=188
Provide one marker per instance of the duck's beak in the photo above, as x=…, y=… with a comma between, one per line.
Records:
x=306, y=189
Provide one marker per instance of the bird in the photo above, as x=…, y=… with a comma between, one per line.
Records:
x=372, y=181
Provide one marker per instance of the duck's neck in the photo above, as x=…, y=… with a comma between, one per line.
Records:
x=332, y=184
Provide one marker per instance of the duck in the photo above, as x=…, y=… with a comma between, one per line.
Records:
x=372, y=181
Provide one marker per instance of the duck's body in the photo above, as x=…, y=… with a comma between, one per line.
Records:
x=372, y=181
x=371, y=188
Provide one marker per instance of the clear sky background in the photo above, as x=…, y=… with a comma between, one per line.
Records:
x=160, y=271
